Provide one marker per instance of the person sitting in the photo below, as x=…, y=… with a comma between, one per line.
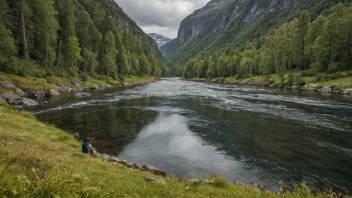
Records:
x=87, y=146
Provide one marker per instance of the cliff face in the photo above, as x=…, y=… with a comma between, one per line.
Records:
x=220, y=22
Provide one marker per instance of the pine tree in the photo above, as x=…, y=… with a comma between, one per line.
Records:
x=45, y=26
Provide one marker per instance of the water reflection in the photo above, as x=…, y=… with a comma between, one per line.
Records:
x=169, y=142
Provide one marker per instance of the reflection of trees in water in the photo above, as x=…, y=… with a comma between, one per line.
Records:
x=114, y=125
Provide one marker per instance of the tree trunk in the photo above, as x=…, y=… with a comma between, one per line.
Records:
x=277, y=69
x=59, y=56
x=25, y=46
x=47, y=50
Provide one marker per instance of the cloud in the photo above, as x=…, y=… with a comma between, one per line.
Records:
x=160, y=16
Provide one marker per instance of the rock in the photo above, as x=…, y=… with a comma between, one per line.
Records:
x=123, y=162
x=326, y=90
x=21, y=139
x=78, y=89
x=76, y=83
x=34, y=93
x=7, y=85
x=149, y=179
x=193, y=180
x=102, y=86
x=21, y=93
x=154, y=170
x=2, y=100
x=64, y=89
x=129, y=165
x=95, y=87
x=12, y=99
x=28, y=102
x=46, y=102
x=294, y=87
x=153, y=180
x=136, y=166
x=209, y=182
x=111, y=158
x=348, y=91
x=272, y=85
x=78, y=94
x=52, y=93
x=18, y=107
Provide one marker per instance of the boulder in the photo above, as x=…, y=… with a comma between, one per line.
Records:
x=95, y=87
x=209, y=182
x=153, y=180
x=326, y=89
x=101, y=86
x=136, y=166
x=52, y=93
x=64, y=89
x=78, y=94
x=12, y=99
x=21, y=93
x=2, y=100
x=111, y=158
x=348, y=91
x=31, y=93
x=76, y=83
x=154, y=170
x=29, y=103
x=123, y=162
x=7, y=85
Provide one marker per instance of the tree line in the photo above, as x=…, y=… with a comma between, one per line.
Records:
x=323, y=45
x=77, y=35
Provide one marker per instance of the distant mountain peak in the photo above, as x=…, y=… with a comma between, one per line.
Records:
x=159, y=39
x=216, y=2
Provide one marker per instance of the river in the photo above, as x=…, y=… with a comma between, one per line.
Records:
x=242, y=133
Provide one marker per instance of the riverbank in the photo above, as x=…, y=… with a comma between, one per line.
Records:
x=339, y=85
x=39, y=160
x=22, y=91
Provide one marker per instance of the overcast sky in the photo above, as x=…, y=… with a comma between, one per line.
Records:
x=160, y=16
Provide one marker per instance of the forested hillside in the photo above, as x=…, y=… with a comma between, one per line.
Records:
x=64, y=37
x=232, y=24
x=321, y=48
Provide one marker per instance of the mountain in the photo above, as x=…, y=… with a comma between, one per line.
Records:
x=159, y=39
x=230, y=24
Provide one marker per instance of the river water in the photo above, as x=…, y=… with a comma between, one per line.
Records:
x=241, y=133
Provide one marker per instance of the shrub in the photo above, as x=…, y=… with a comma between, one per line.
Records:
x=290, y=80
x=318, y=78
x=299, y=80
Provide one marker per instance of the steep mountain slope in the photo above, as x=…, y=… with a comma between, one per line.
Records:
x=224, y=24
x=129, y=24
x=159, y=39
x=66, y=38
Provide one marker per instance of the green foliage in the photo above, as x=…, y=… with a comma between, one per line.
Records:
x=79, y=35
x=321, y=46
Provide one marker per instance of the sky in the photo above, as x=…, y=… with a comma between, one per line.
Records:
x=160, y=16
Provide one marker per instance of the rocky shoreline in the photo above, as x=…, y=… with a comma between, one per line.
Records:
x=22, y=98
x=158, y=172
x=310, y=87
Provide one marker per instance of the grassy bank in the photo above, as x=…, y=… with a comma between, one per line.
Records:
x=86, y=81
x=338, y=83
x=39, y=160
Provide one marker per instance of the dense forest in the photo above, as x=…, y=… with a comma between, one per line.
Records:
x=318, y=48
x=60, y=37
